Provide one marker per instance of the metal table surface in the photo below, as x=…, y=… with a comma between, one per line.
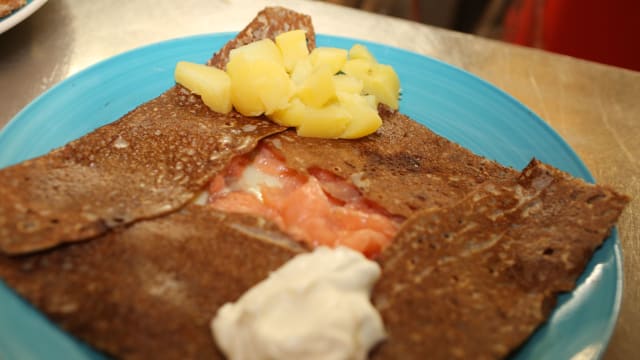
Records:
x=595, y=108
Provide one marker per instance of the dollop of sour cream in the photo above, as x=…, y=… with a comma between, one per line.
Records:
x=316, y=306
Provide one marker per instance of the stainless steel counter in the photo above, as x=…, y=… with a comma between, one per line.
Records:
x=595, y=108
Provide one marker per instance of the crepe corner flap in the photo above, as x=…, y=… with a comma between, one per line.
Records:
x=485, y=246
x=490, y=265
x=149, y=163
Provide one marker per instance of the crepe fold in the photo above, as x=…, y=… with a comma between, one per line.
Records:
x=475, y=279
x=403, y=167
x=149, y=163
x=150, y=291
x=473, y=271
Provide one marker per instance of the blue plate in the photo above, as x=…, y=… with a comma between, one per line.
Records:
x=451, y=102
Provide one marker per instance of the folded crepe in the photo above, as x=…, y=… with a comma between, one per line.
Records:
x=403, y=167
x=474, y=280
x=150, y=291
x=155, y=267
x=148, y=163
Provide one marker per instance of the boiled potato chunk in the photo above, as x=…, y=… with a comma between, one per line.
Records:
x=326, y=122
x=212, y=84
x=378, y=79
x=384, y=84
x=358, y=51
x=258, y=86
x=293, y=46
x=358, y=68
x=372, y=100
x=301, y=72
x=243, y=97
x=328, y=93
x=319, y=88
x=348, y=84
x=364, y=115
x=334, y=58
x=265, y=50
x=292, y=115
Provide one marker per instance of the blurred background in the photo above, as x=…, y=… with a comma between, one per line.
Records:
x=596, y=30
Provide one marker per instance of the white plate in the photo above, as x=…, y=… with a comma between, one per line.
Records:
x=17, y=16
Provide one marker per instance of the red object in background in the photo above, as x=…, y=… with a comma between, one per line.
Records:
x=522, y=23
x=603, y=31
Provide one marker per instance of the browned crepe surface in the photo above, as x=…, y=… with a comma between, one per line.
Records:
x=148, y=163
x=267, y=24
x=403, y=167
x=150, y=291
x=9, y=6
x=474, y=280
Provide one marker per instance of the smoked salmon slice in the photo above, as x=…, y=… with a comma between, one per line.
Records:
x=316, y=207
